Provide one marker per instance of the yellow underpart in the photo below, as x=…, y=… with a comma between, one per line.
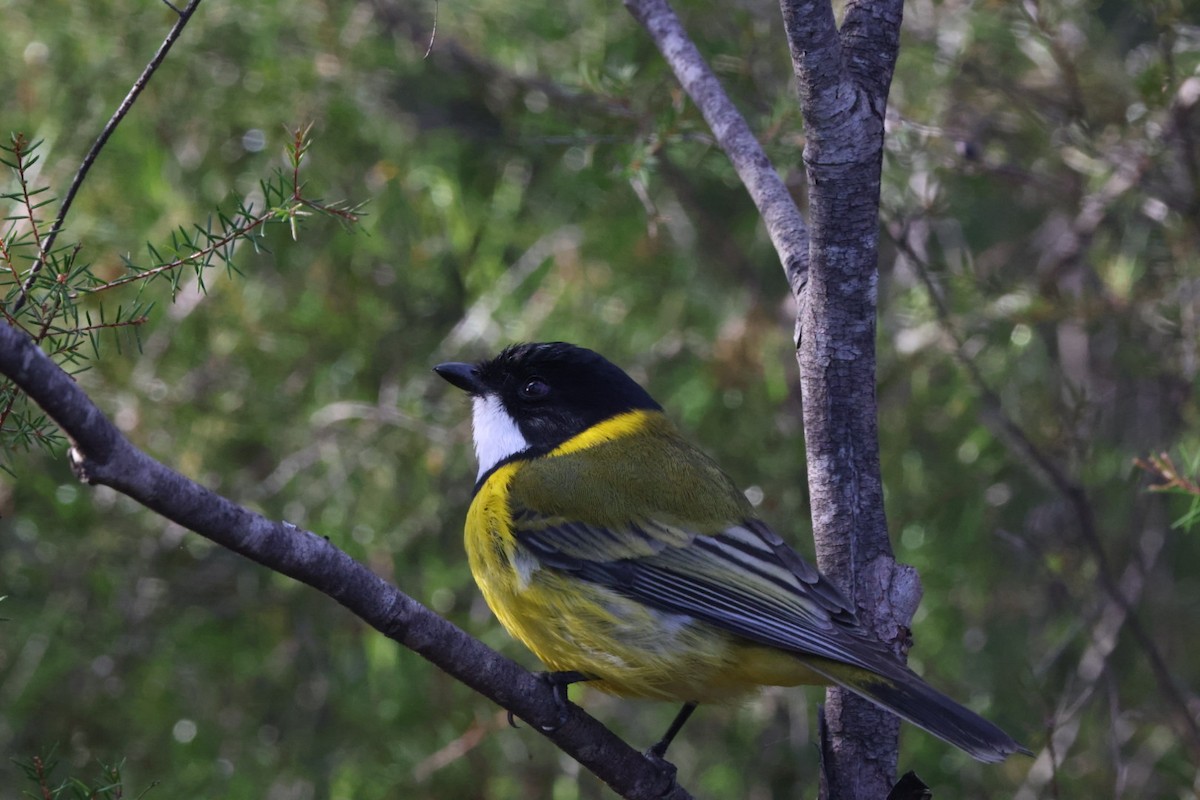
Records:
x=630, y=649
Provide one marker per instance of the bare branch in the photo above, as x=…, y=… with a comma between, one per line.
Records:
x=101, y=455
x=784, y=223
x=47, y=245
x=843, y=79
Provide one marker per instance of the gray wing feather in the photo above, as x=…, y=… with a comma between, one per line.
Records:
x=745, y=580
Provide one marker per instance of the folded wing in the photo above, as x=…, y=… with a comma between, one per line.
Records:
x=744, y=580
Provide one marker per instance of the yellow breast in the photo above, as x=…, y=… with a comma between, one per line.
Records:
x=628, y=648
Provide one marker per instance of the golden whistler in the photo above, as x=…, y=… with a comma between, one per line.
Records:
x=622, y=555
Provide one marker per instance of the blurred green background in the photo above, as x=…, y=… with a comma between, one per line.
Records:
x=541, y=176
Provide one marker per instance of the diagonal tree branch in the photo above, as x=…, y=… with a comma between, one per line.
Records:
x=100, y=454
x=784, y=223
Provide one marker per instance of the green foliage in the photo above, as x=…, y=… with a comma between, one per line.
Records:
x=540, y=176
x=41, y=771
x=53, y=296
x=1171, y=479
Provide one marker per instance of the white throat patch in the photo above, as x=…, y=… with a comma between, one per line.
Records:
x=496, y=433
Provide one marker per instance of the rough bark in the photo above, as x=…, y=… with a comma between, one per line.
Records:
x=843, y=77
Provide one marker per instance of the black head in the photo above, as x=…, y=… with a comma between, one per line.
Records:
x=540, y=395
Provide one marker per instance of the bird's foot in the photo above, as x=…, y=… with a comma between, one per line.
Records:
x=559, y=681
x=669, y=771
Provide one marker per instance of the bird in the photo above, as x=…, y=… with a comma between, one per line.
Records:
x=624, y=556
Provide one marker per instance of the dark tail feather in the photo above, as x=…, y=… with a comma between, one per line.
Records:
x=907, y=696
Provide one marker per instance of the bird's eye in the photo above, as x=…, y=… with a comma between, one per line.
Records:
x=534, y=389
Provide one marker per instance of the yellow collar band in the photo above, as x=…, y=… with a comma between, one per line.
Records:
x=617, y=427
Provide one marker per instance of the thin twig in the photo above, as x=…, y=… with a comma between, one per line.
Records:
x=244, y=225
x=47, y=246
x=432, y=32
x=20, y=150
x=139, y=320
x=240, y=232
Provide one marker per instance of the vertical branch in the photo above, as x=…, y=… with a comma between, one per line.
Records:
x=831, y=266
x=843, y=79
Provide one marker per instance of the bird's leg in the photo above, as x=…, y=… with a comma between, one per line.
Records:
x=659, y=750
x=559, y=681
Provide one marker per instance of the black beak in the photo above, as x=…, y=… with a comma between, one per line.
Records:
x=464, y=376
